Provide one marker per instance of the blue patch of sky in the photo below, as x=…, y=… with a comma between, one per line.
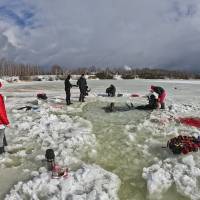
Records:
x=19, y=15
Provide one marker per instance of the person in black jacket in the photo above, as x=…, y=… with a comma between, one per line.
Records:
x=82, y=84
x=111, y=91
x=68, y=87
x=153, y=103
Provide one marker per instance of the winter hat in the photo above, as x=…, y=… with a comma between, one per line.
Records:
x=152, y=87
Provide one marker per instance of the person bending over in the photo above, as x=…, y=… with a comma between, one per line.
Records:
x=161, y=95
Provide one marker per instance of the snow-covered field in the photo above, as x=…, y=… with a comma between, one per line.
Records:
x=110, y=155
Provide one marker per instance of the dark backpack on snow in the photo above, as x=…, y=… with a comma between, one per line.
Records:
x=50, y=156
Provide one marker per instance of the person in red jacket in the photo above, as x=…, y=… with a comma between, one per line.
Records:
x=161, y=95
x=3, y=123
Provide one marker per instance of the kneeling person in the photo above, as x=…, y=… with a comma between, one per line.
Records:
x=153, y=103
x=111, y=91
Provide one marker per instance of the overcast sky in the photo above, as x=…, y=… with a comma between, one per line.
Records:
x=78, y=33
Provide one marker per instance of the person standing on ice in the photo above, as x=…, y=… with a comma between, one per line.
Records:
x=3, y=123
x=68, y=87
x=161, y=95
x=82, y=84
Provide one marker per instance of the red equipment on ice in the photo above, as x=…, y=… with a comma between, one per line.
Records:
x=135, y=95
x=184, y=144
x=42, y=96
x=190, y=121
x=58, y=172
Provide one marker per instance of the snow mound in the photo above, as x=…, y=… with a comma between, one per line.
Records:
x=184, y=108
x=182, y=172
x=87, y=183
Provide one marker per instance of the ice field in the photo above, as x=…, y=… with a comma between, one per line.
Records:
x=118, y=155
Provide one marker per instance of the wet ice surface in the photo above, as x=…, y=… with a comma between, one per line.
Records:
x=127, y=143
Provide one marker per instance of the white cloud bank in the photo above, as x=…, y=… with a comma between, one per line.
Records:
x=104, y=33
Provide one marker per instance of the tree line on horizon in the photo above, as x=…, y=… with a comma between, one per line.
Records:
x=8, y=68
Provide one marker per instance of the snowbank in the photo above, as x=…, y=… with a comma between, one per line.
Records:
x=70, y=137
x=182, y=172
x=87, y=183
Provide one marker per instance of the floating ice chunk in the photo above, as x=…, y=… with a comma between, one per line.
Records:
x=21, y=153
x=42, y=170
x=26, y=170
x=40, y=157
x=34, y=173
x=158, y=179
x=24, y=126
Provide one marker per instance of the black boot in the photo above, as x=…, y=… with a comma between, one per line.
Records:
x=2, y=150
x=82, y=98
x=68, y=102
x=162, y=106
x=5, y=141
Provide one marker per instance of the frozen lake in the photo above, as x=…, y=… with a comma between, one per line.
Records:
x=127, y=143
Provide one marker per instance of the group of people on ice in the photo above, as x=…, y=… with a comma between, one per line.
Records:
x=81, y=83
x=156, y=100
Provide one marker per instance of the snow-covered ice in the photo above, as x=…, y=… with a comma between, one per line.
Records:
x=101, y=149
x=182, y=172
x=87, y=183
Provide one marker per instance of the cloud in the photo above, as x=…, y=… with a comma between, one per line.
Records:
x=103, y=33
